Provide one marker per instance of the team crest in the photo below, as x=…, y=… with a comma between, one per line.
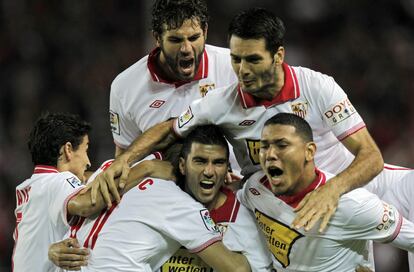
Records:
x=279, y=237
x=222, y=227
x=253, y=147
x=114, y=120
x=300, y=109
x=205, y=88
x=185, y=117
x=208, y=221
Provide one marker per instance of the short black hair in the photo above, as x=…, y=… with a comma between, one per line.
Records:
x=257, y=23
x=173, y=13
x=206, y=134
x=51, y=131
x=302, y=127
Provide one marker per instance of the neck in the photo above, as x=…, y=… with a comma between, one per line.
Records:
x=217, y=202
x=308, y=176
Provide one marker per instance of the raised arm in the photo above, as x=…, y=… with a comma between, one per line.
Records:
x=366, y=165
x=81, y=204
x=221, y=259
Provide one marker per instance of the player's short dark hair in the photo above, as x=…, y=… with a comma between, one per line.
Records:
x=257, y=23
x=51, y=131
x=173, y=13
x=302, y=127
x=208, y=135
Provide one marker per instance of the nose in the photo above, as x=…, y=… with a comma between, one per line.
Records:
x=209, y=170
x=186, y=47
x=243, y=69
x=271, y=154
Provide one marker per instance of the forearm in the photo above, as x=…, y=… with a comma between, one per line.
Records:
x=149, y=141
x=367, y=164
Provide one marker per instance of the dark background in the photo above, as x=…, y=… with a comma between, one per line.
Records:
x=63, y=55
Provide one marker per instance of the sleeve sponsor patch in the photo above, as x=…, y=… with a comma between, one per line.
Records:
x=208, y=221
x=388, y=218
x=74, y=182
x=185, y=117
x=339, y=112
x=114, y=120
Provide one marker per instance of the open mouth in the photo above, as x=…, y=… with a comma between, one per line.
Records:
x=186, y=64
x=274, y=171
x=206, y=184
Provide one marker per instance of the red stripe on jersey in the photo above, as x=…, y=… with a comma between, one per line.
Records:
x=158, y=155
x=106, y=164
x=74, y=229
x=351, y=131
x=289, y=91
x=397, y=229
x=107, y=214
x=156, y=72
x=229, y=210
x=94, y=227
x=19, y=217
x=41, y=169
x=396, y=168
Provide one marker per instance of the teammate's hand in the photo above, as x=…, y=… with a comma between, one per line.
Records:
x=105, y=184
x=68, y=255
x=320, y=203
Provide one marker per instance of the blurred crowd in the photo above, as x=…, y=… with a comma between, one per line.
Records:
x=63, y=55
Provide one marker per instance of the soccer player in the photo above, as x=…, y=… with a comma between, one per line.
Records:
x=180, y=69
x=155, y=218
x=203, y=165
x=48, y=202
x=287, y=152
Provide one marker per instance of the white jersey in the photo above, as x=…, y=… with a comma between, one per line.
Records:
x=360, y=216
x=150, y=223
x=41, y=215
x=140, y=98
x=314, y=96
x=240, y=234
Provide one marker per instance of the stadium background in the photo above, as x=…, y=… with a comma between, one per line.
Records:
x=63, y=55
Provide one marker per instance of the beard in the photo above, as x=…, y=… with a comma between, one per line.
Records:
x=174, y=65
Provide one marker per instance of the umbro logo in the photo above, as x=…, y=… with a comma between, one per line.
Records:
x=246, y=123
x=254, y=191
x=157, y=103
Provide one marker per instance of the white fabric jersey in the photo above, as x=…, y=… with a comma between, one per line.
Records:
x=240, y=234
x=360, y=216
x=41, y=215
x=150, y=223
x=140, y=98
x=309, y=94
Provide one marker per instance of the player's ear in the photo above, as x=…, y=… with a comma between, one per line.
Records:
x=310, y=151
x=279, y=56
x=157, y=37
x=205, y=31
x=181, y=166
x=66, y=152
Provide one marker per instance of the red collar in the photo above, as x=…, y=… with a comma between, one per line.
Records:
x=294, y=200
x=228, y=211
x=41, y=169
x=157, y=73
x=289, y=91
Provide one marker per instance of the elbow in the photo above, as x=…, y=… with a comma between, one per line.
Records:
x=378, y=164
x=75, y=208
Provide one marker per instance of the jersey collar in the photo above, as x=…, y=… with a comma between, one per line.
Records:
x=156, y=73
x=228, y=211
x=42, y=169
x=289, y=91
x=294, y=200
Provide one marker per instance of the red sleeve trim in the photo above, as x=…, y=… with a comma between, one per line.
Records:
x=351, y=131
x=397, y=229
x=206, y=244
